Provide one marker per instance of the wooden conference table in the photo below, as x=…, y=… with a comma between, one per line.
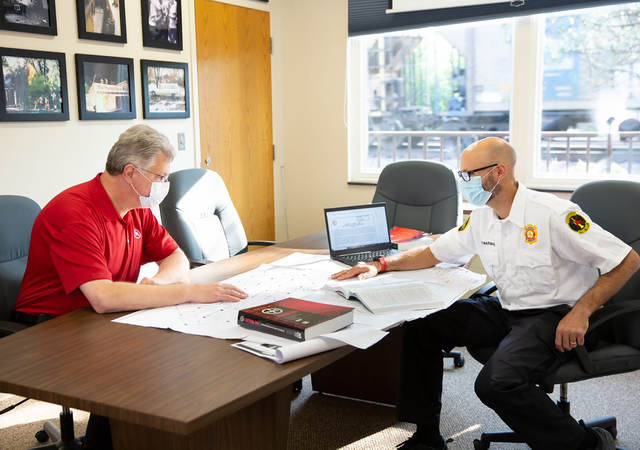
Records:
x=163, y=389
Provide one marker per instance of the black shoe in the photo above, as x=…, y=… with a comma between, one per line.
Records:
x=605, y=440
x=415, y=443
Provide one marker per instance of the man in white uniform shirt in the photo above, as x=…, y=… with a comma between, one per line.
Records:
x=553, y=268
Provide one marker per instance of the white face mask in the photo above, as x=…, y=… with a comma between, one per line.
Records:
x=159, y=190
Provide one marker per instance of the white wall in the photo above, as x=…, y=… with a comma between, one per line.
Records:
x=40, y=159
x=308, y=77
x=314, y=136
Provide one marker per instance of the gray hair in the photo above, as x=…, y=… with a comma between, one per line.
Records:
x=138, y=145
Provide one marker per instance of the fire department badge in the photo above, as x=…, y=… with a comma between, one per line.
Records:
x=577, y=223
x=531, y=234
x=464, y=225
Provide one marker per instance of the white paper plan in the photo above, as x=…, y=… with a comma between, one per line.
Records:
x=303, y=276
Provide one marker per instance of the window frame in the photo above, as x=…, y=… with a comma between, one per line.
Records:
x=526, y=100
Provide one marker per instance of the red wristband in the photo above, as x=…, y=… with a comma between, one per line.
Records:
x=383, y=265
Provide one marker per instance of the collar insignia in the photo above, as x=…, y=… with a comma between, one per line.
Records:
x=464, y=225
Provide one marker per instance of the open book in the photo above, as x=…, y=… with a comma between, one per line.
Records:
x=389, y=294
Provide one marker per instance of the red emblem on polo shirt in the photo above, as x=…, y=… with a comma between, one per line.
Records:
x=137, y=234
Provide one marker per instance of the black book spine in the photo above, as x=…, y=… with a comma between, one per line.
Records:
x=268, y=326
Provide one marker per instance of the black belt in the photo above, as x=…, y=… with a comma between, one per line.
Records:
x=30, y=319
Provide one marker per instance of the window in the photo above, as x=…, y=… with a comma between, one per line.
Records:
x=591, y=93
x=567, y=98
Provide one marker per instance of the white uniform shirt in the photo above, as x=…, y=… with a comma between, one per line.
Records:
x=547, y=252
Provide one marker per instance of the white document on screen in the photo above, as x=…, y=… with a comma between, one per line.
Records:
x=302, y=276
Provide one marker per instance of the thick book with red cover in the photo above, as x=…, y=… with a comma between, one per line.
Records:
x=296, y=319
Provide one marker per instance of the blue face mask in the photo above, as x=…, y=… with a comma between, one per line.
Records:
x=473, y=191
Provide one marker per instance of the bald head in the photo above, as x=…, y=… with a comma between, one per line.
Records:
x=489, y=151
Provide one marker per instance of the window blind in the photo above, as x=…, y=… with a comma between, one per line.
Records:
x=371, y=16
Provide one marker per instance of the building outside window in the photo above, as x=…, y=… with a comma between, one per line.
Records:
x=564, y=88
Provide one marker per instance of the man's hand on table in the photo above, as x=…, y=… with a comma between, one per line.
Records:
x=217, y=292
x=362, y=271
x=205, y=293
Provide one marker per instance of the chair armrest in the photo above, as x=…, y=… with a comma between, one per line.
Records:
x=198, y=262
x=265, y=243
x=487, y=289
x=608, y=312
x=601, y=316
x=7, y=328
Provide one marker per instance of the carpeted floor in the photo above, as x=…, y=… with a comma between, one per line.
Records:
x=321, y=421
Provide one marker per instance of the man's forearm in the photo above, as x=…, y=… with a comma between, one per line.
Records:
x=173, y=269
x=110, y=296
x=414, y=259
x=607, y=285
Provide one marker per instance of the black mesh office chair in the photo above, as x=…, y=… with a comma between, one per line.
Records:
x=422, y=195
x=199, y=214
x=614, y=206
x=17, y=215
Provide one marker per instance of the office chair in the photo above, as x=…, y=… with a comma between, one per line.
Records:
x=17, y=215
x=422, y=195
x=619, y=318
x=199, y=214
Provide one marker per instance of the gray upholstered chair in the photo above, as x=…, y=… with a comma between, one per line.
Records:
x=422, y=195
x=17, y=215
x=614, y=206
x=200, y=216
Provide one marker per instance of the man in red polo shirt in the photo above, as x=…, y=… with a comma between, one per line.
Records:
x=88, y=243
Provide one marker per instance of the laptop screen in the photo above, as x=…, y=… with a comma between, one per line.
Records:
x=353, y=227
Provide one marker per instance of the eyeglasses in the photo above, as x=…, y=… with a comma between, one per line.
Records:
x=466, y=174
x=162, y=178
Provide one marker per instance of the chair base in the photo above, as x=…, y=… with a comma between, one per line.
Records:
x=63, y=438
x=608, y=423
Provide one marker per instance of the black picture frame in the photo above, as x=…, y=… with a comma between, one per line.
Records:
x=164, y=94
x=9, y=7
x=160, y=39
x=83, y=33
x=28, y=80
x=110, y=80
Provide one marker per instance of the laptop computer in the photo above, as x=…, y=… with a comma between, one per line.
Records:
x=358, y=233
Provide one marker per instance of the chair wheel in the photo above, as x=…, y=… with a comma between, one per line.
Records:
x=42, y=436
x=458, y=361
x=613, y=431
x=480, y=445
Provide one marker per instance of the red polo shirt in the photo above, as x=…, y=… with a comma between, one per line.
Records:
x=79, y=237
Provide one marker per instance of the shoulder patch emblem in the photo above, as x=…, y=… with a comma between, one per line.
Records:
x=577, y=223
x=464, y=225
x=531, y=234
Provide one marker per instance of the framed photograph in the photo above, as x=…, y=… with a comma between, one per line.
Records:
x=101, y=20
x=33, y=86
x=165, y=89
x=162, y=24
x=29, y=16
x=105, y=87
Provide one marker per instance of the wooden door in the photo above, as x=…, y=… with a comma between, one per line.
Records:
x=234, y=93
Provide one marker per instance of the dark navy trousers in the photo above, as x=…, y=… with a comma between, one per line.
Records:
x=507, y=382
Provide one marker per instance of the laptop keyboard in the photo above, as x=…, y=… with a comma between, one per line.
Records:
x=365, y=256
